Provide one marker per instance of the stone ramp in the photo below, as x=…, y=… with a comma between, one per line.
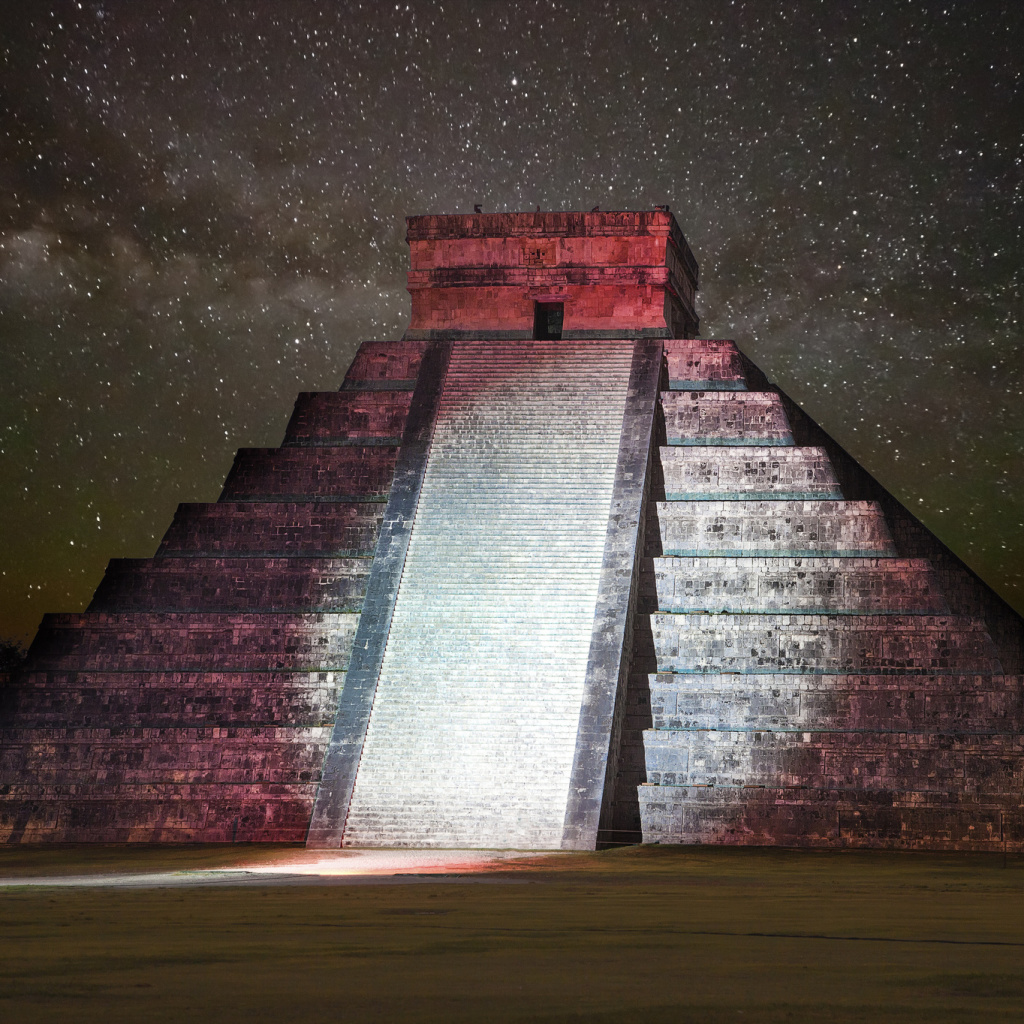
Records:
x=473, y=732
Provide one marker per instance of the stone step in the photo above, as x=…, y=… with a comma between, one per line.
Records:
x=156, y=813
x=748, y=473
x=725, y=418
x=142, y=641
x=843, y=818
x=915, y=760
x=154, y=755
x=703, y=365
x=311, y=474
x=348, y=417
x=283, y=529
x=233, y=584
x=166, y=699
x=772, y=528
x=805, y=585
x=395, y=362
x=822, y=643
x=880, y=703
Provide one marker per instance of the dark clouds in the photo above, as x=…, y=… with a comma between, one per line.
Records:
x=201, y=213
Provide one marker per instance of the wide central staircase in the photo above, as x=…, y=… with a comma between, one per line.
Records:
x=474, y=723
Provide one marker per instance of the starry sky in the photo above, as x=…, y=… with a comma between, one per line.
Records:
x=201, y=214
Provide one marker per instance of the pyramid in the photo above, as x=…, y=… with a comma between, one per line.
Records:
x=549, y=572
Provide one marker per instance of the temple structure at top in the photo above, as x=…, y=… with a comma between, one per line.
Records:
x=549, y=572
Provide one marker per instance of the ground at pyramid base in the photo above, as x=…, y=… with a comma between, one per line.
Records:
x=548, y=572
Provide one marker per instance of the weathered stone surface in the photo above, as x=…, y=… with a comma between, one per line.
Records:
x=378, y=362
x=233, y=584
x=822, y=643
x=728, y=634
x=472, y=736
x=822, y=585
x=829, y=699
x=360, y=473
x=772, y=528
x=704, y=364
x=273, y=529
x=805, y=817
x=944, y=703
x=724, y=417
x=168, y=698
x=617, y=275
x=147, y=641
x=348, y=417
x=348, y=735
x=209, y=677
x=747, y=473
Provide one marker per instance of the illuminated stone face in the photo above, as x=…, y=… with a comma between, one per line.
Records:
x=547, y=572
x=821, y=665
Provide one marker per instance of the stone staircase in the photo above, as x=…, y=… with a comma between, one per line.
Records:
x=474, y=725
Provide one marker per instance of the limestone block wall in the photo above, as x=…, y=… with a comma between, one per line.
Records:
x=741, y=417
x=284, y=528
x=704, y=364
x=233, y=584
x=739, y=528
x=393, y=366
x=747, y=472
x=117, y=641
x=825, y=672
x=195, y=698
x=617, y=275
x=348, y=417
x=295, y=474
x=867, y=643
x=809, y=585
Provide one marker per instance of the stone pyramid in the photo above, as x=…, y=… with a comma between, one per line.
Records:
x=547, y=572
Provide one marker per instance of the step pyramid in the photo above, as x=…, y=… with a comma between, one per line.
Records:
x=549, y=572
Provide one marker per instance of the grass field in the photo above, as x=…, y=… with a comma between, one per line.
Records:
x=650, y=934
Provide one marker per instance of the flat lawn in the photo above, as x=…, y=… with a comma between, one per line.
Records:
x=650, y=934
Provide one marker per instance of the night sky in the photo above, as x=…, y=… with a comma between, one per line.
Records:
x=201, y=214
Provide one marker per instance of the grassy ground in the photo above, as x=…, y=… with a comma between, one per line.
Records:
x=636, y=935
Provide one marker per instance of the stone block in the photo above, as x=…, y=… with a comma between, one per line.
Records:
x=142, y=641
x=162, y=699
x=325, y=418
x=380, y=361
x=747, y=473
x=822, y=643
x=808, y=528
x=273, y=529
x=704, y=365
x=725, y=418
x=233, y=584
x=806, y=585
x=311, y=474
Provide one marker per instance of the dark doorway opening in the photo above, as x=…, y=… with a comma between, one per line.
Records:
x=547, y=320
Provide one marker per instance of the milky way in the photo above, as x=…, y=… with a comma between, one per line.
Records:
x=202, y=206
